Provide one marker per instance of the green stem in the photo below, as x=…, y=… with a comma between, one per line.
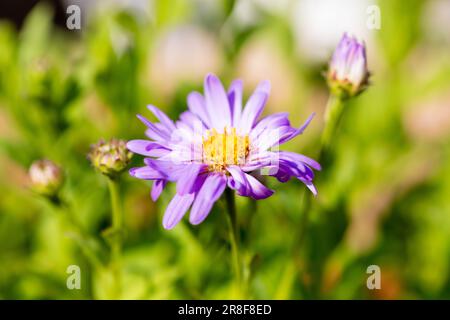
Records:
x=234, y=240
x=116, y=236
x=333, y=115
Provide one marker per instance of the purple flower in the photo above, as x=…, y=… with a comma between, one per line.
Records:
x=347, y=73
x=218, y=143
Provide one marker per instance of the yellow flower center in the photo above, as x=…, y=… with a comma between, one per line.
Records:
x=222, y=149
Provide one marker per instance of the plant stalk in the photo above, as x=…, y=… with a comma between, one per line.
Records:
x=333, y=115
x=116, y=236
x=234, y=241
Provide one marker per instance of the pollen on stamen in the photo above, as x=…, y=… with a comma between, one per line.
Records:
x=222, y=149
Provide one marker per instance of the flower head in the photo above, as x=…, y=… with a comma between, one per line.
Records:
x=347, y=73
x=110, y=158
x=218, y=143
x=46, y=177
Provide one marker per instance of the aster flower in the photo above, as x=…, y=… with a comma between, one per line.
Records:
x=347, y=74
x=216, y=144
x=46, y=177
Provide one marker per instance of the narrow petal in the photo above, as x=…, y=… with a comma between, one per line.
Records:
x=217, y=103
x=281, y=175
x=235, y=100
x=270, y=122
x=279, y=135
x=238, y=181
x=299, y=130
x=271, y=137
x=297, y=169
x=157, y=188
x=211, y=190
x=253, y=109
x=256, y=189
x=187, y=179
x=310, y=186
x=177, y=209
x=254, y=106
x=153, y=131
x=300, y=158
x=147, y=148
x=291, y=163
x=197, y=105
x=264, y=86
x=146, y=173
x=247, y=185
x=162, y=117
x=192, y=120
x=168, y=169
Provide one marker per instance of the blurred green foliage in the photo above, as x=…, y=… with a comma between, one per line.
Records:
x=383, y=195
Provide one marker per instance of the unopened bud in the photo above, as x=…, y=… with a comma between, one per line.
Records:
x=110, y=158
x=347, y=73
x=46, y=177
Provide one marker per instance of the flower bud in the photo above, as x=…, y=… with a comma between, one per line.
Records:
x=46, y=177
x=347, y=73
x=111, y=157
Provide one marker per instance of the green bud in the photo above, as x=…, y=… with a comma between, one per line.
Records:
x=110, y=158
x=46, y=177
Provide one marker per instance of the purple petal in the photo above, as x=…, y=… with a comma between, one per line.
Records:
x=300, y=158
x=147, y=148
x=258, y=160
x=256, y=189
x=271, y=137
x=247, y=185
x=176, y=209
x=253, y=109
x=153, y=131
x=162, y=117
x=169, y=170
x=146, y=173
x=157, y=188
x=217, y=103
x=198, y=183
x=296, y=169
x=238, y=181
x=283, y=165
x=235, y=100
x=299, y=130
x=211, y=190
x=264, y=86
x=282, y=175
x=192, y=120
x=187, y=179
x=310, y=186
x=270, y=122
x=252, y=166
x=197, y=105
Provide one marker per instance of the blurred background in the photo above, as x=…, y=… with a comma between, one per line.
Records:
x=383, y=199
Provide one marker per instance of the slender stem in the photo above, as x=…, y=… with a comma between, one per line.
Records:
x=234, y=239
x=117, y=236
x=333, y=116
